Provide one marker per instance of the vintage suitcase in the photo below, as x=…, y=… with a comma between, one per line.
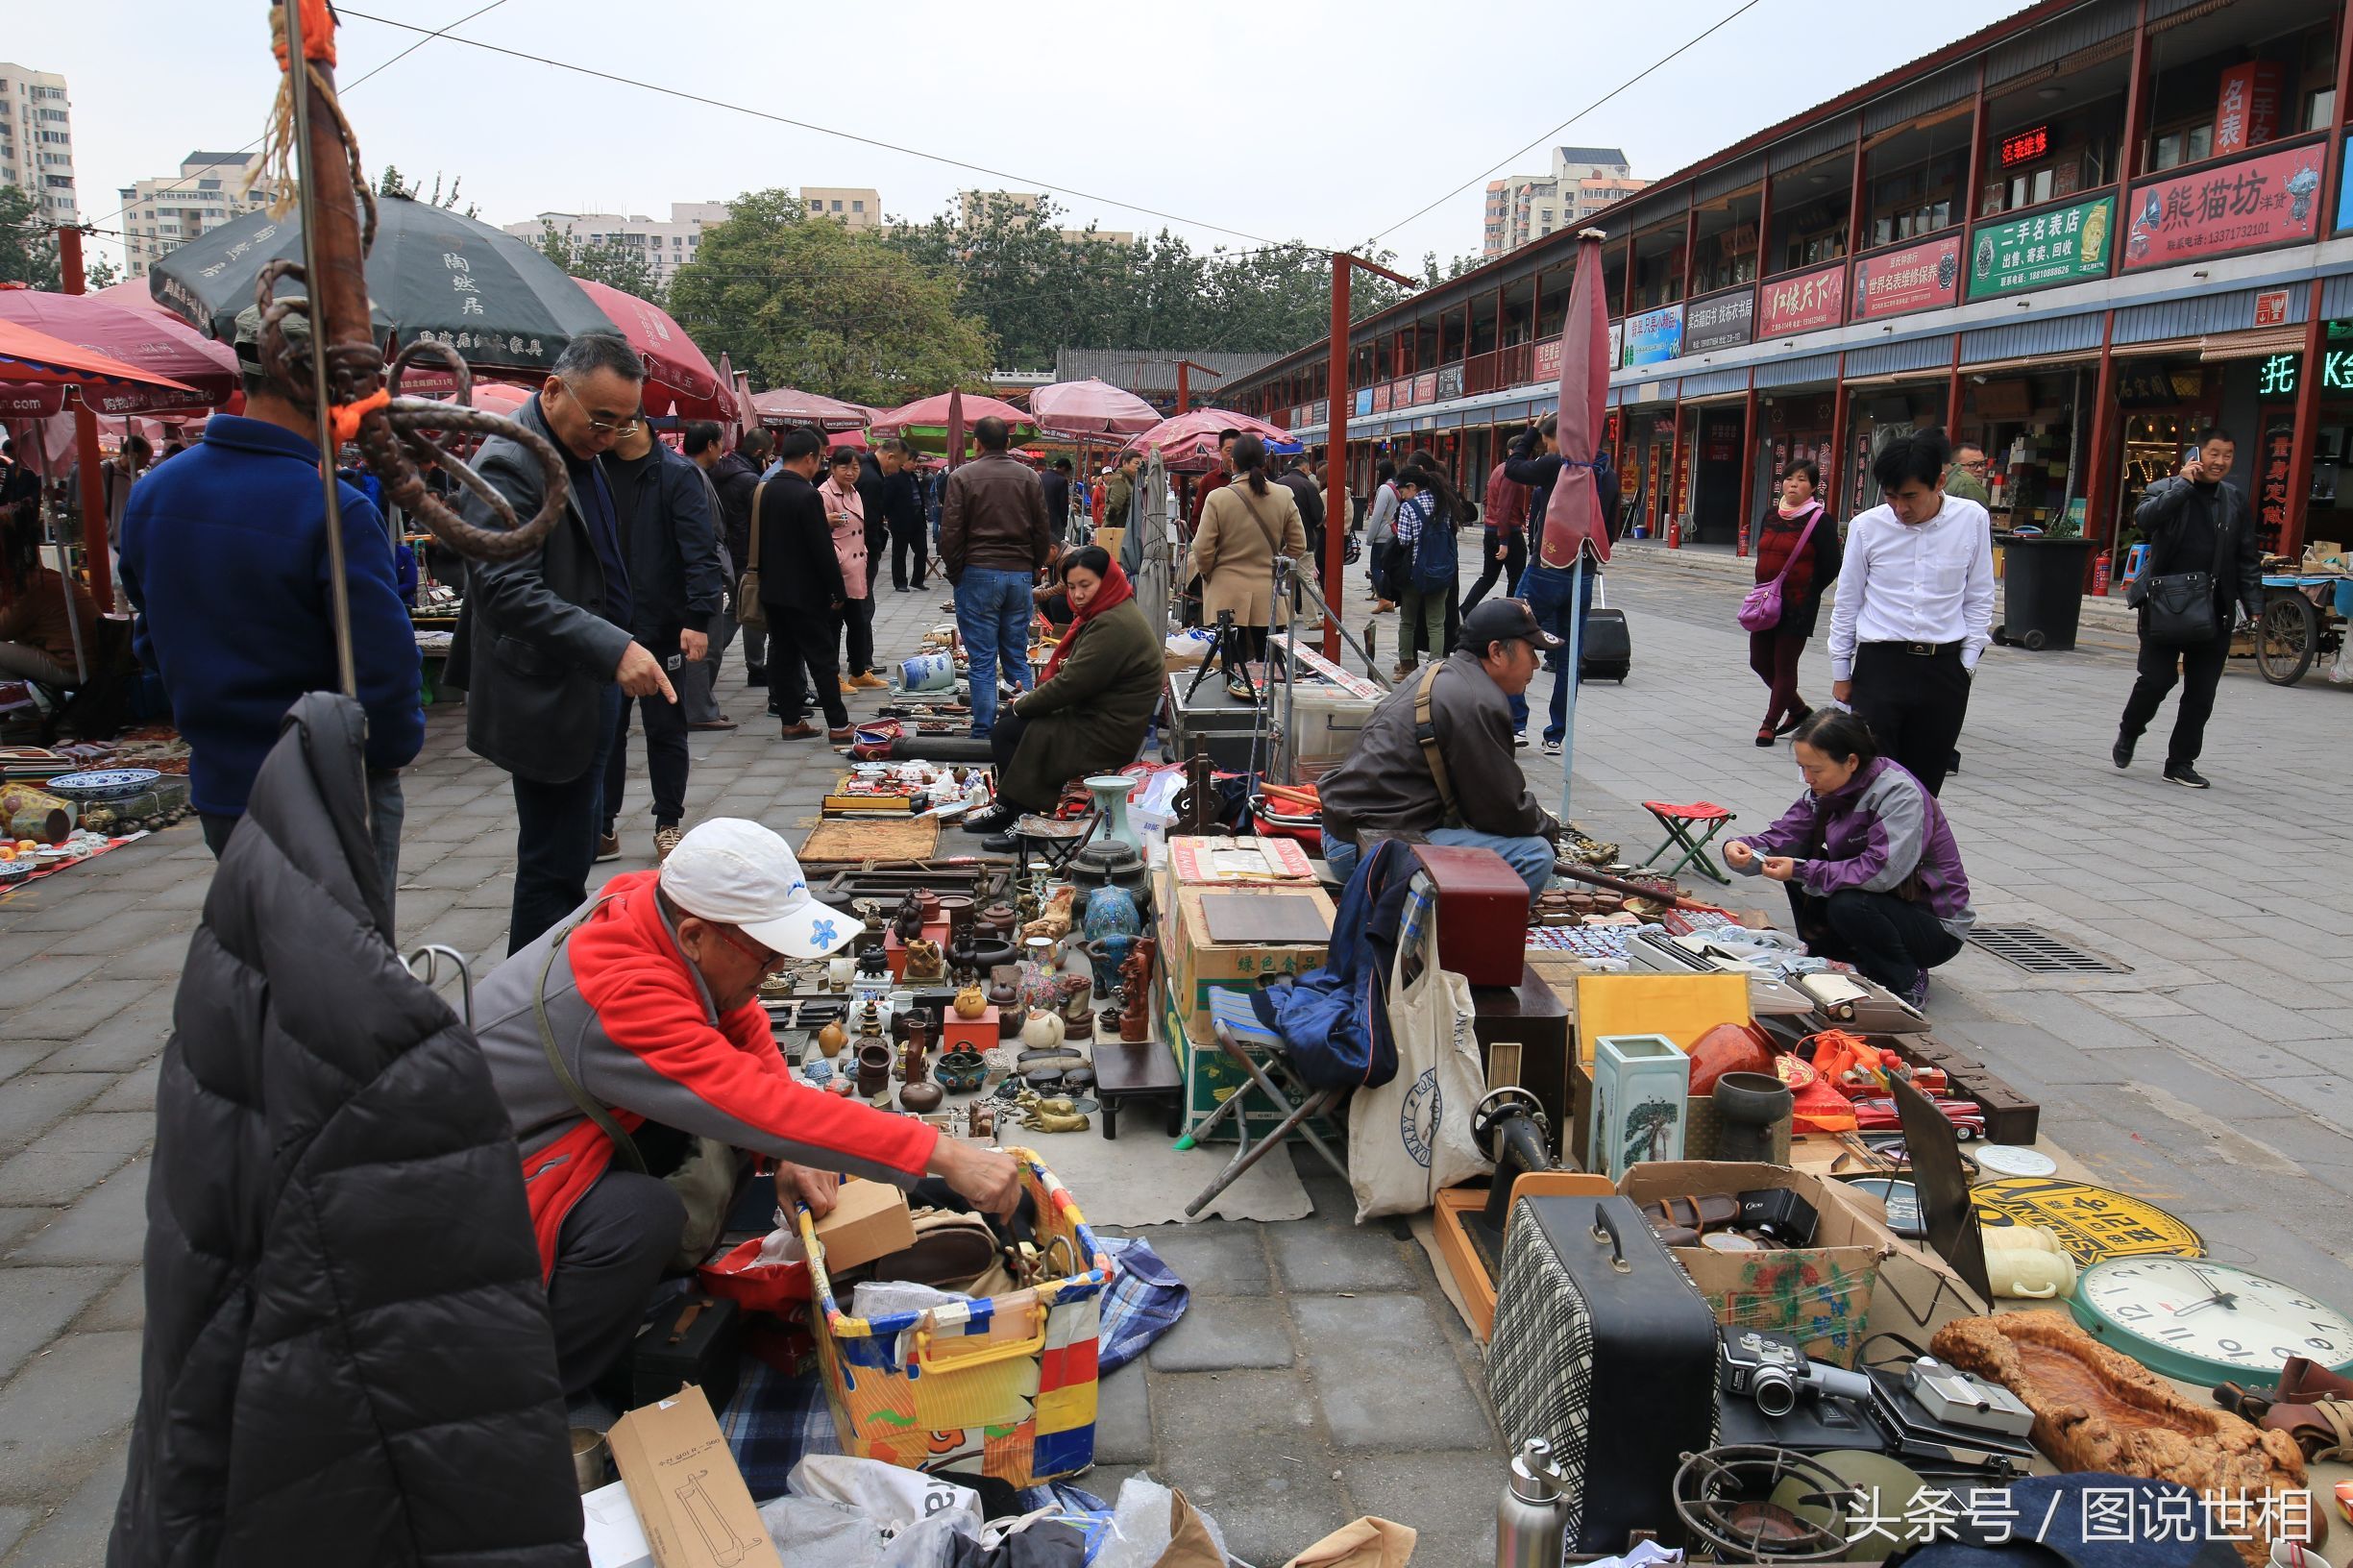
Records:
x=695, y=1339
x=1607, y=651
x=1482, y=913
x=1604, y=1348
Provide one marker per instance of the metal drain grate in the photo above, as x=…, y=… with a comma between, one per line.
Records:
x=2038, y=952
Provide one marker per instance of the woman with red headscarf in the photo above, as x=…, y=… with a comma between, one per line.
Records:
x=1092, y=707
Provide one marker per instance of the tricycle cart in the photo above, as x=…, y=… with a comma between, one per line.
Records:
x=2303, y=618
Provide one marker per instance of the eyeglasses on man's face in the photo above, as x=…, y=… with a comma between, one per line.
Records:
x=596, y=426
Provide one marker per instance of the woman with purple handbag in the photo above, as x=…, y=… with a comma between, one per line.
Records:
x=1796, y=558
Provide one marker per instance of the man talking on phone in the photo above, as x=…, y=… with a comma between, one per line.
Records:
x=2198, y=521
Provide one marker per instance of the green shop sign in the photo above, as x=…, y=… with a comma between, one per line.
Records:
x=2279, y=375
x=2060, y=246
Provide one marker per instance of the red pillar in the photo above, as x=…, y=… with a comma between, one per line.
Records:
x=1748, y=463
x=1675, y=493
x=2136, y=117
x=1335, y=449
x=1838, y=438
x=1181, y=386
x=1953, y=396
x=1856, y=214
x=2098, y=473
x=2307, y=429
x=85, y=453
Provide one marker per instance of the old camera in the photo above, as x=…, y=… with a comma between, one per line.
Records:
x=1775, y=1373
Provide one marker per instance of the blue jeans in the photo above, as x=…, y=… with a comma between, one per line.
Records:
x=1531, y=856
x=1546, y=589
x=992, y=611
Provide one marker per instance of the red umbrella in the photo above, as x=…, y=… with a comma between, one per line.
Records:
x=1090, y=407
x=36, y=367
x=787, y=406
x=1188, y=443
x=675, y=370
x=171, y=365
x=925, y=422
x=1574, y=532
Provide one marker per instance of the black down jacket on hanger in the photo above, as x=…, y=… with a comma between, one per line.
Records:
x=348, y=1359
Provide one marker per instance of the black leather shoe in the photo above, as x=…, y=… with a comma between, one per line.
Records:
x=2121, y=750
x=2185, y=775
x=1000, y=843
x=995, y=819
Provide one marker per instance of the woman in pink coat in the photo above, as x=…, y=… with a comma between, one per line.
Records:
x=846, y=513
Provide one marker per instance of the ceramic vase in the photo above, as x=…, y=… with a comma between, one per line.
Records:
x=1111, y=911
x=832, y=1038
x=1111, y=792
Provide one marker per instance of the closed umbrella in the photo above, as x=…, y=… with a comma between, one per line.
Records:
x=676, y=371
x=1574, y=531
x=181, y=368
x=955, y=429
x=1188, y=443
x=493, y=299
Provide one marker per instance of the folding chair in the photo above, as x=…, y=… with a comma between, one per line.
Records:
x=1706, y=818
x=1241, y=1035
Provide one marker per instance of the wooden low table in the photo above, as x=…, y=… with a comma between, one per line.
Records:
x=1137, y=1069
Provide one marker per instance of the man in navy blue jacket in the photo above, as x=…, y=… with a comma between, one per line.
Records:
x=224, y=554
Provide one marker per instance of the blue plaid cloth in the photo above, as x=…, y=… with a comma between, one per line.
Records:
x=775, y=1417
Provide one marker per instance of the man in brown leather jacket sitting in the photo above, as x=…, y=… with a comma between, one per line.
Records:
x=994, y=542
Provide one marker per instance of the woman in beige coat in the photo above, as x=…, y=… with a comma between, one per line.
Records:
x=1243, y=526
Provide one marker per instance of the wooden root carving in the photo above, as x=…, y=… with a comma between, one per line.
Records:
x=2097, y=1410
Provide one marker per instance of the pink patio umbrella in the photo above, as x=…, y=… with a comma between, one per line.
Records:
x=181, y=367
x=1090, y=407
x=680, y=377
x=925, y=422
x=1574, y=531
x=1187, y=444
x=787, y=405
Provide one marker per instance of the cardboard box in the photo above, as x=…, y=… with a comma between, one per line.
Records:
x=1230, y=862
x=690, y=1498
x=1821, y=1296
x=1212, y=1077
x=869, y=1220
x=1195, y=966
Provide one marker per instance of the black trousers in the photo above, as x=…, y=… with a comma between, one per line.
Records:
x=1915, y=704
x=556, y=838
x=609, y=1255
x=806, y=641
x=1889, y=939
x=2198, y=666
x=906, y=538
x=665, y=759
x=1508, y=569
x=858, y=628
x=1004, y=739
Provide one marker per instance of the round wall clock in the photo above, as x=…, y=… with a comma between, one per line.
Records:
x=2204, y=1322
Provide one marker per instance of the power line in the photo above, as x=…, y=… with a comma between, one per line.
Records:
x=1023, y=181
x=341, y=87
x=1731, y=17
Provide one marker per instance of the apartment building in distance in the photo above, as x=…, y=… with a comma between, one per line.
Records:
x=1526, y=207
x=972, y=204
x=667, y=244
x=161, y=214
x=856, y=207
x=36, y=139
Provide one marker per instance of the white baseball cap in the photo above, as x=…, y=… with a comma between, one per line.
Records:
x=739, y=874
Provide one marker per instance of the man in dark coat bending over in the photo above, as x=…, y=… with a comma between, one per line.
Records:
x=1392, y=782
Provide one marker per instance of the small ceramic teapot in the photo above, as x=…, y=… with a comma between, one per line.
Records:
x=832, y=1038
x=972, y=1001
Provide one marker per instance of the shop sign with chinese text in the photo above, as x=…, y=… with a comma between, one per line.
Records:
x=1916, y=277
x=2278, y=452
x=1617, y=346
x=1804, y=301
x=2060, y=246
x=2281, y=375
x=1654, y=336
x=2269, y=199
x=1719, y=321
x=1426, y=386
x=1449, y=383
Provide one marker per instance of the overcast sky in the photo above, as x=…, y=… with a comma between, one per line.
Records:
x=1219, y=115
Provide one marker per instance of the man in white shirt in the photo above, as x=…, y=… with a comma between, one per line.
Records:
x=1915, y=608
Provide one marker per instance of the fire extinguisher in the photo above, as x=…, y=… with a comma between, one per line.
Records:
x=2099, y=575
x=1675, y=531
x=1743, y=550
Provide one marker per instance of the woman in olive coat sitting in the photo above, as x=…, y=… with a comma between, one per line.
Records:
x=1092, y=707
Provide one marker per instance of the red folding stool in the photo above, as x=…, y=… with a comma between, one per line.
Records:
x=1704, y=818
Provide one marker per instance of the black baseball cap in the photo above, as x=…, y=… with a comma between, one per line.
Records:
x=1496, y=619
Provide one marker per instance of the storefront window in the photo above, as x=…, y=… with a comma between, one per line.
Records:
x=1658, y=267
x=1809, y=213
x=1725, y=253
x=2228, y=81
x=1914, y=179
x=1613, y=277
x=2049, y=140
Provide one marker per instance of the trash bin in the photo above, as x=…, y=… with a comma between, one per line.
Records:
x=2041, y=590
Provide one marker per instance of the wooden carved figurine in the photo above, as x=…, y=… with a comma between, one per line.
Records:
x=910, y=921
x=1136, y=986
x=924, y=960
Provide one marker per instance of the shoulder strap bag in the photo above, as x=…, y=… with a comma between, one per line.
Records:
x=1426, y=735
x=2177, y=607
x=1761, y=610
x=748, y=610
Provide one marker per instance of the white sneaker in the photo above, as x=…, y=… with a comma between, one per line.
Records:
x=1519, y=740
x=1552, y=748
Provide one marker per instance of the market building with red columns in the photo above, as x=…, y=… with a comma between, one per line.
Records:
x=2077, y=237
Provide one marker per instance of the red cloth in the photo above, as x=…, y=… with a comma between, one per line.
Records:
x=1778, y=539
x=1116, y=590
x=1506, y=502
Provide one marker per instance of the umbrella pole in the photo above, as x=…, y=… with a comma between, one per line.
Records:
x=322, y=337
x=1569, y=672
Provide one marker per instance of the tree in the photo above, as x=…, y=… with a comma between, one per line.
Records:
x=605, y=262
x=28, y=244
x=390, y=184
x=100, y=273
x=808, y=302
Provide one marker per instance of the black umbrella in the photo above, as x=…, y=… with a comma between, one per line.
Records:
x=434, y=274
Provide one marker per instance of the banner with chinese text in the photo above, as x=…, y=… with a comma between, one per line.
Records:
x=1916, y=277
x=2269, y=199
x=2055, y=247
x=1804, y=301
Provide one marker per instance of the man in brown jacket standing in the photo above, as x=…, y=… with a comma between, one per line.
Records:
x=993, y=541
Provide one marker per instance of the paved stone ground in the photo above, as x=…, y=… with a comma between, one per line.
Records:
x=1320, y=1374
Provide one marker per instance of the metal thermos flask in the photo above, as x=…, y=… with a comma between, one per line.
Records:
x=1531, y=1521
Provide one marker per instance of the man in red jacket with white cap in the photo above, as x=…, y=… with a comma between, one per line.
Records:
x=643, y=1007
